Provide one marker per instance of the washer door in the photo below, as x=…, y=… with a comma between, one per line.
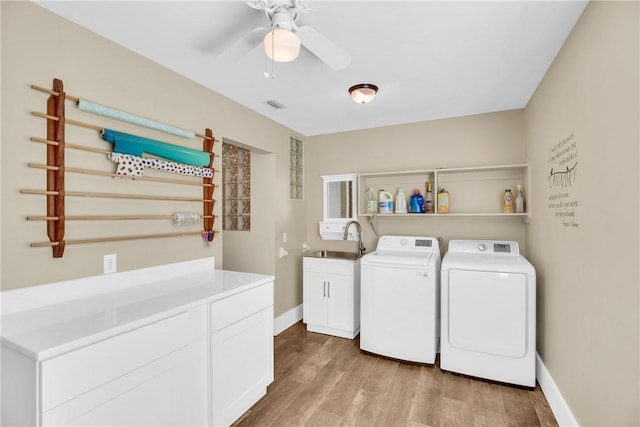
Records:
x=488, y=312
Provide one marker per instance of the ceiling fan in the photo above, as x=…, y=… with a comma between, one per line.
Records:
x=283, y=37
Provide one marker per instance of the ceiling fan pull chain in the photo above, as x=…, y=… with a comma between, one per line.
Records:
x=273, y=51
x=266, y=72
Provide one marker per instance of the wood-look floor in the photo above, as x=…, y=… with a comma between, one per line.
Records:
x=321, y=380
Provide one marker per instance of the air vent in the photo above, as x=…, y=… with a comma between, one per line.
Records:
x=274, y=104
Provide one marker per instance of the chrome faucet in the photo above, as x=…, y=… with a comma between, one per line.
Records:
x=361, y=247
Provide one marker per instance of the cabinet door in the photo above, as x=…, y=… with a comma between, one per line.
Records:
x=152, y=395
x=314, y=297
x=241, y=366
x=340, y=309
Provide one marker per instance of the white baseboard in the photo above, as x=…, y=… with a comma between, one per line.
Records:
x=287, y=319
x=559, y=407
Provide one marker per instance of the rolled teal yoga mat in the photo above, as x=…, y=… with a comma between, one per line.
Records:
x=136, y=145
x=103, y=110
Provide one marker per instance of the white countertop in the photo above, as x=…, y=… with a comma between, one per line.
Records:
x=47, y=330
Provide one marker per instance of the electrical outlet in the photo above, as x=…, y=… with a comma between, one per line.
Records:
x=284, y=237
x=110, y=265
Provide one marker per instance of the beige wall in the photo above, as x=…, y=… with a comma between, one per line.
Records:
x=480, y=140
x=38, y=46
x=588, y=332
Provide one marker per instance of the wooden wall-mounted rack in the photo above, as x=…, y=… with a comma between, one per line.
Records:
x=57, y=170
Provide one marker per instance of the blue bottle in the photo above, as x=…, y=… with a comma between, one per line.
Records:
x=416, y=203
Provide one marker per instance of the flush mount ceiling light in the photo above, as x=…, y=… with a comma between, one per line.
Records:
x=281, y=45
x=363, y=93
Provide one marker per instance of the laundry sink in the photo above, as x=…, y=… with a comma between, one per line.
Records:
x=335, y=255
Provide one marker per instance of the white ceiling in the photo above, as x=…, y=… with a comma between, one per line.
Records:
x=431, y=59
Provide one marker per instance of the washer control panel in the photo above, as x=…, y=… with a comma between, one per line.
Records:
x=408, y=243
x=484, y=247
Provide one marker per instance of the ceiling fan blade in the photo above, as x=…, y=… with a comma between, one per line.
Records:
x=243, y=45
x=329, y=52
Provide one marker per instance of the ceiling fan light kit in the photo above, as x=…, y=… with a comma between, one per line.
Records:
x=284, y=37
x=363, y=93
x=281, y=45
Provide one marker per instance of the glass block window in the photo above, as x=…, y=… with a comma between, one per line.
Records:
x=296, y=169
x=236, y=188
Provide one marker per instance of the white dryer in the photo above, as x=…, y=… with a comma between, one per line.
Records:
x=488, y=312
x=399, y=298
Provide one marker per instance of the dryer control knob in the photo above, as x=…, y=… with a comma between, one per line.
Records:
x=403, y=242
x=482, y=247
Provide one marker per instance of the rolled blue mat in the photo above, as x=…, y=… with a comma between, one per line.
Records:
x=136, y=145
x=103, y=110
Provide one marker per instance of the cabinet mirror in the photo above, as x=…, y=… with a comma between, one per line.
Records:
x=339, y=198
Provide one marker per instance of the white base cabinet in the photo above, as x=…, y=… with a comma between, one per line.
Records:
x=152, y=395
x=137, y=378
x=241, y=353
x=331, y=296
x=201, y=361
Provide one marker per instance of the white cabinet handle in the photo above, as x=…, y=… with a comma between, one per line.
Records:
x=324, y=289
x=328, y=289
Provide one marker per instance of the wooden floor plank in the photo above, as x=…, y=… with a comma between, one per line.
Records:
x=399, y=397
x=364, y=409
x=518, y=408
x=488, y=408
x=322, y=418
x=300, y=410
x=426, y=399
x=458, y=387
x=381, y=375
x=542, y=409
x=453, y=413
x=345, y=391
x=269, y=408
x=345, y=355
x=327, y=381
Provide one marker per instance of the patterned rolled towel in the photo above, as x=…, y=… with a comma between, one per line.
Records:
x=129, y=165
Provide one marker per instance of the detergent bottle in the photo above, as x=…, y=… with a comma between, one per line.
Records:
x=372, y=201
x=385, y=202
x=416, y=204
x=401, y=202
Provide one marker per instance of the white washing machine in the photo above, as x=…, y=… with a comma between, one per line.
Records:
x=488, y=312
x=399, y=298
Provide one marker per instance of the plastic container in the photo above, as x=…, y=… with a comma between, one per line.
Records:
x=416, y=204
x=428, y=199
x=385, y=202
x=443, y=202
x=507, y=201
x=371, y=200
x=401, y=202
x=519, y=199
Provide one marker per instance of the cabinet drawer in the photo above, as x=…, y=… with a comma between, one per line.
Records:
x=333, y=266
x=74, y=373
x=236, y=307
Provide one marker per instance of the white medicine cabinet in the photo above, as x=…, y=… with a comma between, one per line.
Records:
x=340, y=198
x=473, y=191
x=339, y=206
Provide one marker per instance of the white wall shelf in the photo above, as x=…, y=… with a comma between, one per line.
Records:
x=422, y=215
x=474, y=191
